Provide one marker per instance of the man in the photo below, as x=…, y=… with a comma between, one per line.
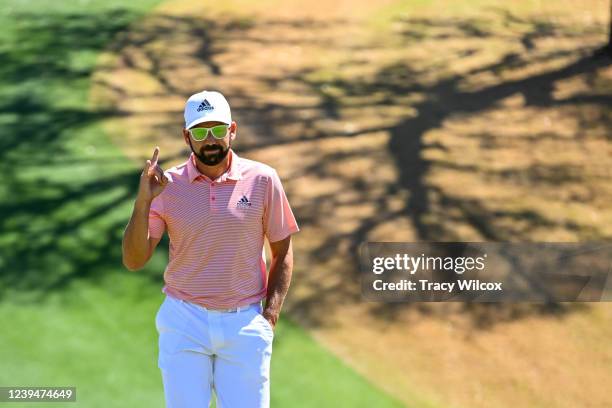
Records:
x=217, y=208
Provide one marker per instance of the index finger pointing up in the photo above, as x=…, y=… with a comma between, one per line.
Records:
x=155, y=155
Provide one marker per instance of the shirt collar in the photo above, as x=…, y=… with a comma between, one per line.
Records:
x=232, y=173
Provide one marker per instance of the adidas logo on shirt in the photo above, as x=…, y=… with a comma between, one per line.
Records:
x=205, y=105
x=243, y=202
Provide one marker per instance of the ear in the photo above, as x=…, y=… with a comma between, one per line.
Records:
x=186, y=136
x=232, y=131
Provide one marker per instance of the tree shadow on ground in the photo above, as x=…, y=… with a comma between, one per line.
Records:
x=62, y=187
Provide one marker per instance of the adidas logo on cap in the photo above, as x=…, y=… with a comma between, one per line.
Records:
x=205, y=105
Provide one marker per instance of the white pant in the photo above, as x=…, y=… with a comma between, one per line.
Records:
x=200, y=349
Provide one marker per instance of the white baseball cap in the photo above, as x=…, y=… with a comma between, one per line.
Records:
x=207, y=106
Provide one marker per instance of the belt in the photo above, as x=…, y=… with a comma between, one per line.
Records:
x=236, y=309
x=229, y=310
x=233, y=309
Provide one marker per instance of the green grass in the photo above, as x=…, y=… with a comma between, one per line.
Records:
x=71, y=314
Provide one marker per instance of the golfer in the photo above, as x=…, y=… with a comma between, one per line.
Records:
x=214, y=331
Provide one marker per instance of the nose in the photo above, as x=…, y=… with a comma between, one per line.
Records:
x=210, y=139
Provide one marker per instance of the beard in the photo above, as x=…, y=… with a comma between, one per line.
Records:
x=211, y=155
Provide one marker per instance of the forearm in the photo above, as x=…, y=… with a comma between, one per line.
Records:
x=278, y=284
x=136, y=236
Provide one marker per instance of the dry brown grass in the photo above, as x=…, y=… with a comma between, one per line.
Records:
x=398, y=124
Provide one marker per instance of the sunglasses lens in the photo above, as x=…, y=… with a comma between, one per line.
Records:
x=219, y=131
x=199, y=133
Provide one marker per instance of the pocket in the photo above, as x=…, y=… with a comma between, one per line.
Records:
x=170, y=316
x=265, y=322
x=157, y=315
x=165, y=317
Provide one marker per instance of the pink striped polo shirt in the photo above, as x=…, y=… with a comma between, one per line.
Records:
x=217, y=228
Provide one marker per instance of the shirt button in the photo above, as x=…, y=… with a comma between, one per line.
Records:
x=213, y=198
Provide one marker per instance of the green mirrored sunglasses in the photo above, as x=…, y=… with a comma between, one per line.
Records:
x=200, y=133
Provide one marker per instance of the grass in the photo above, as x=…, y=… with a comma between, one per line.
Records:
x=72, y=314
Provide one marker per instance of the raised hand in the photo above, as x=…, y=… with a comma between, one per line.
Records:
x=152, y=180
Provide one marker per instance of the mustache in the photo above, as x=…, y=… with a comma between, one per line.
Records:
x=212, y=148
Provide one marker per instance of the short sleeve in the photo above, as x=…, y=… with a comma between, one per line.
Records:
x=278, y=221
x=157, y=225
